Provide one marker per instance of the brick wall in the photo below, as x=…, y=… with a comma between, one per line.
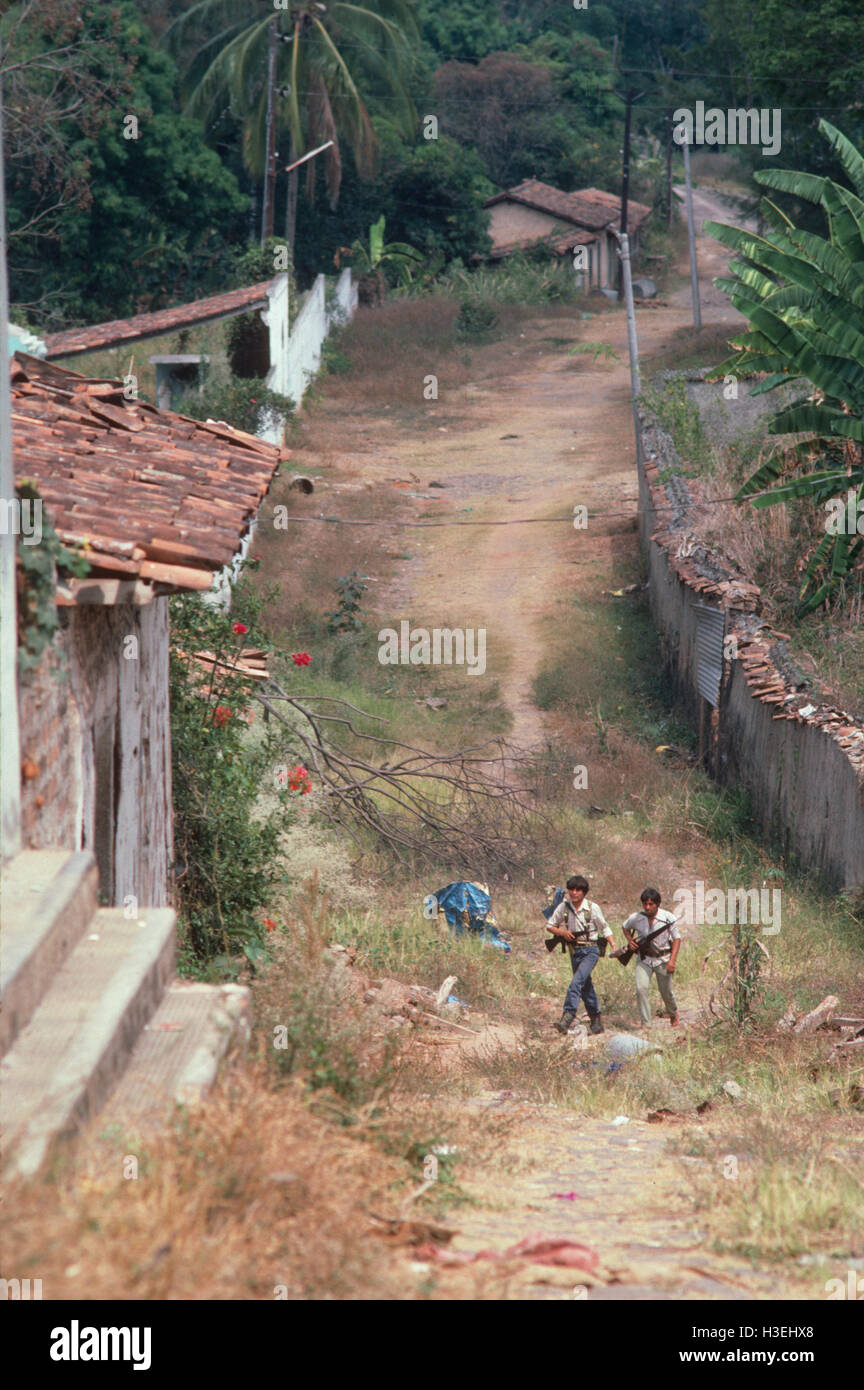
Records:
x=50, y=754
x=96, y=747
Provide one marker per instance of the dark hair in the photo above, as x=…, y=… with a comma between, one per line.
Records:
x=577, y=881
x=651, y=895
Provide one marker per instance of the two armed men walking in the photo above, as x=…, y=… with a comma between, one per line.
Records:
x=652, y=935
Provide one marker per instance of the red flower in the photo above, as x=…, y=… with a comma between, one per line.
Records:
x=299, y=780
x=269, y=924
x=221, y=715
x=301, y=658
x=240, y=628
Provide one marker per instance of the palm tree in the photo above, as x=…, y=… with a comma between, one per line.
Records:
x=308, y=67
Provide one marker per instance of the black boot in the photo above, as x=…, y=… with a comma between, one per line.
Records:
x=596, y=1023
x=565, y=1022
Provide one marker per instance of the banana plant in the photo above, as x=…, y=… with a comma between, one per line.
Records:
x=380, y=255
x=803, y=296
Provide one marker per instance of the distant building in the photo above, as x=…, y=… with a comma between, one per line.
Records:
x=536, y=214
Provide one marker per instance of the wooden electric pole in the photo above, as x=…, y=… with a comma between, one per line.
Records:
x=269, y=208
x=628, y=97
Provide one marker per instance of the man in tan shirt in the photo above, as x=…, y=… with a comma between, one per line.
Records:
x=657, y=958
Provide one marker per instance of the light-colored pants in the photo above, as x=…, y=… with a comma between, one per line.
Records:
x=644, y=970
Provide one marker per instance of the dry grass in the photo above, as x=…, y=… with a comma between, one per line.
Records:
x=392, y=349
x=249, y=1193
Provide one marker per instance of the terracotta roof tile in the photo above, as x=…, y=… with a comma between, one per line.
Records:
x=587, y=207
x=132, y=483
x=118, y=331
x=559, y=244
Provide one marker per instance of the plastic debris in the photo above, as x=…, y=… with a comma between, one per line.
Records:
x=621, y=1120
x=623, y=1047
x=469, y=906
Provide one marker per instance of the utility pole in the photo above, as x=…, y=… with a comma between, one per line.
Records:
x=628, y=97
x=269, y=208
x=10, y=755
x=691, y=238
x=632, y=345
x=669, y=143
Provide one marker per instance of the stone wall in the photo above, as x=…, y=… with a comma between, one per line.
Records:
x=800, y=759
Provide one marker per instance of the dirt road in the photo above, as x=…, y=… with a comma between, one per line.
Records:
x=539, y=433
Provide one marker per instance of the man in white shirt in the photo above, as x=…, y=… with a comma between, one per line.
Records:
x=581, y=924
x=656, y=958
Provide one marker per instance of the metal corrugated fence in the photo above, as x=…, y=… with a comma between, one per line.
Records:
x=710, y=631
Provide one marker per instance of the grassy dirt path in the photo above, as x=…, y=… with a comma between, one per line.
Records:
x=533, y=432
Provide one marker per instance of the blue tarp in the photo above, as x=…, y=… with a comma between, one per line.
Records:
x=468, y=905
x=558, y=898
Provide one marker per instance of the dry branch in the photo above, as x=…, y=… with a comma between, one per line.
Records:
x=460, y=807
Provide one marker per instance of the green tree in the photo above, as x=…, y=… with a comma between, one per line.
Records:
x=328, y=63
x=803, y=296
x=435, y=201
x=115, y=204
x=817, y=68
x=376, y=257
x=543, y=110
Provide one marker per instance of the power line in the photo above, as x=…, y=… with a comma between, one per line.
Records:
x=527, y=520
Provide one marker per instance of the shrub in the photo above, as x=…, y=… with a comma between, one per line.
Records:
x=476, y=316
x=226, y=860
x=530, y=278
x=244, y=402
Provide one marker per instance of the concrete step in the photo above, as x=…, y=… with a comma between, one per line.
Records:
x=177, y=1057
x=70, y=1055
x=47, y=897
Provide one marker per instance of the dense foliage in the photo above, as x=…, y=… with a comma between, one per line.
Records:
x=803, y=296
x=432, y=105
x=226, y=856
x=116, y=204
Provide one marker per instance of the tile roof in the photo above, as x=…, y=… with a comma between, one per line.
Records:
x=593, y=208
x=587, y=207
x=559, y=243
x=145, y=494
x=118, y=331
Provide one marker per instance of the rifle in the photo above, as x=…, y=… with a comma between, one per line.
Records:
x=552, y=941
x=626, y=953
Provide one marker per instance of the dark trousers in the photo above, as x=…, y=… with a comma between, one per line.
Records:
x=583, y=959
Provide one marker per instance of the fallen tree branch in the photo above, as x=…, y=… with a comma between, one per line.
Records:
x=459, y=806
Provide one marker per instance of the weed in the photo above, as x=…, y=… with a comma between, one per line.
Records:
x=346, y=615
x=475, y=318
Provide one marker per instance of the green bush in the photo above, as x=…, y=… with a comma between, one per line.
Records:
x=533, y=277
x=334, y=361
x=226, y=862
x=244, y=402
x=476, y=316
